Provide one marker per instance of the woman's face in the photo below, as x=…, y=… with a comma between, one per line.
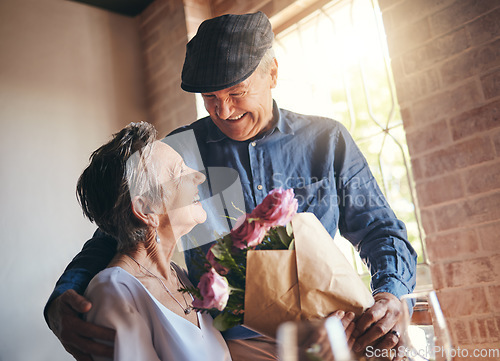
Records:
x=183, y=206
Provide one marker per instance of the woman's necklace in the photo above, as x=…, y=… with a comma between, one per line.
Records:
x=186, y=310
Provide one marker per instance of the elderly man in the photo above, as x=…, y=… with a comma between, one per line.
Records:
x=231, y=63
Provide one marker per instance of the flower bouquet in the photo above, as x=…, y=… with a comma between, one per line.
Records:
x=275, y=266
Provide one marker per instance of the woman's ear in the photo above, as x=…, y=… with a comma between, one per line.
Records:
x=143, y=211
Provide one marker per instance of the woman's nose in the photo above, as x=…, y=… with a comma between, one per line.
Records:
x=198, y=177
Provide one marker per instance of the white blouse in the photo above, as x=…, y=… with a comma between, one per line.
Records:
x=145, y=329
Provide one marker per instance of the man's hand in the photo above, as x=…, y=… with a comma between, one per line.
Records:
x=377, y=323
x=75, y=334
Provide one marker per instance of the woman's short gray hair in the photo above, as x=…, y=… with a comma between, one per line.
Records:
x=119, y=171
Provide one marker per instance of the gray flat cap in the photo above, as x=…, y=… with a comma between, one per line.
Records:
x=225, y=51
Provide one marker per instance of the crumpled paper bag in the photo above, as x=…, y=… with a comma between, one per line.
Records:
x=309, y=282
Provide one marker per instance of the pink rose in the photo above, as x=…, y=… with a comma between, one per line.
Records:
x=277, y=208
x=214, y=289
x=247, y=232
x=220, y=269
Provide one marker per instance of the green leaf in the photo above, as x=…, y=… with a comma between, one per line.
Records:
x=291, y=247
x=218, y=250
x=225, y=321
x=284, y=236
x=289, y=229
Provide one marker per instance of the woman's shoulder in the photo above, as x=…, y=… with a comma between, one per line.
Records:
x=113, y=282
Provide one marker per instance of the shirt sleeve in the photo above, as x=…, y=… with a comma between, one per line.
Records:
x=369, y=223
x=93, y=258
x=115, y=308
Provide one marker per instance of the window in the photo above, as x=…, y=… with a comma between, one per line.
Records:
x=335, y=63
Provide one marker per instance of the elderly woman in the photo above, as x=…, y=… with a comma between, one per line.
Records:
x=139, y=190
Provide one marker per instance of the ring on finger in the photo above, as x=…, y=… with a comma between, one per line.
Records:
x=395, y=333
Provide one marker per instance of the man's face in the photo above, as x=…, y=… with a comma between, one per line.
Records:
x=244, y=110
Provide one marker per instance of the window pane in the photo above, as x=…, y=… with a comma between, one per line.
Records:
x=335, y=63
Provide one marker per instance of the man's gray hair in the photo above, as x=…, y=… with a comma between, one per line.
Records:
x=266, y=62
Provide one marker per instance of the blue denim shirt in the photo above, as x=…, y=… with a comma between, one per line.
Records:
x=316, y=157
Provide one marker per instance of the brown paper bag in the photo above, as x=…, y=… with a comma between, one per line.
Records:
x=309, y=282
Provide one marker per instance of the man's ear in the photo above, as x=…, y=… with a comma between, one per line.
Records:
x=274, y=73
x=143, y=211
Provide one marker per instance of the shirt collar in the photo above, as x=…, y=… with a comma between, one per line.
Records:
x=283, y=125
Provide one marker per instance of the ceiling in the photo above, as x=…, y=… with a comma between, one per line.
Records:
x=124, y=7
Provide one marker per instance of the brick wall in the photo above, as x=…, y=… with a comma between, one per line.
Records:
x=164, y=36
x=446, y=62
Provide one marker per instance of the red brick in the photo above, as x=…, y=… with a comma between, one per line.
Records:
x=469, y=63
x=484, y=209
x=485, y=28
x=496, y=141
x=458, y=244
x=493, y=330
x=489, y=235
x=174, y=30
x=463, y=302
x=483, y=178
x=151, y=10
x=459, y=13
x=151, y=40
x=445, y=104
x=440, y=48
x=451, y=216
x=428, y=138
x=409, y=36
x=476, y=120
x=407, y=118
x=483, y=330
x=415, y=86
x=437, y=275
x=494, y=292
x=411, y=10
x=468, y=272
x=491, y=84
x=469, y=212
x=427, y=217
x=397, y=69
x=153, y=22
x=460, y=331
x=416, y=166
x=474, y=330
x=220, y=7
x=459, y=155
x=440, y=190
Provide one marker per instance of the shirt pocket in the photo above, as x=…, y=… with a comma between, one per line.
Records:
x=314, y=197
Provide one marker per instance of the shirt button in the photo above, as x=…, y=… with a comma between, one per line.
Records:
x=253, y=144
x=259, y=187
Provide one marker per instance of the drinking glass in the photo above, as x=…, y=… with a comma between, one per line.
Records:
x=315, y=340
x=425, y=335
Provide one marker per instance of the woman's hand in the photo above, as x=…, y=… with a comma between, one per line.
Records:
x=75, y=334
